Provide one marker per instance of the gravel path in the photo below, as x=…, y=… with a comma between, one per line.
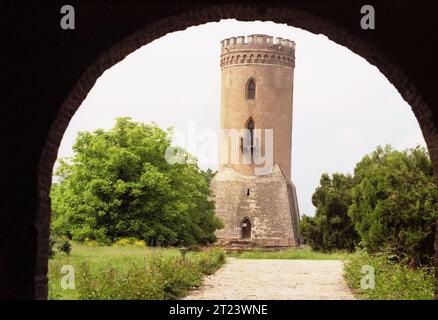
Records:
x=275, y=279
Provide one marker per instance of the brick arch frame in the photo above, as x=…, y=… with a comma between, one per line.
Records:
x=292, y=17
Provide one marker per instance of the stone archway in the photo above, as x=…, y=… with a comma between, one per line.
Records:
x=301, y=16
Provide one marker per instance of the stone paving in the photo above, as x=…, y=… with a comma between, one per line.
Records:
x=275, y=279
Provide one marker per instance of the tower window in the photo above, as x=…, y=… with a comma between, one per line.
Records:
x=247, y=192
x=248, y=144
x=251, y=89
x=251, y=127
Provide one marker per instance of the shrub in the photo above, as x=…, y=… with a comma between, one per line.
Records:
x=65, y=247
x=394, y=203
x=90, y=243
x=393, y=280
x=163, y=277
x=331, y=228
x=208, y=262
x=51, y=245
x=139, y=243
x=110, y=283
x=122, y=242
x=178, y=276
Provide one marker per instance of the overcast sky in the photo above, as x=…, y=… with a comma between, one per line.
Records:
x=343, y=106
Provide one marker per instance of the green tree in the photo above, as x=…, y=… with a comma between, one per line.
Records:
x=394, y=203
x=208, y=175
x=119, y=184
x=331, y=227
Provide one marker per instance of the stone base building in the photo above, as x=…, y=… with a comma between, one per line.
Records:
x=259, y=209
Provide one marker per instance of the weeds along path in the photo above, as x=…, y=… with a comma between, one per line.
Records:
x=276, y=279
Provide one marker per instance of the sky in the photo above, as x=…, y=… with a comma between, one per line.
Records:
x=343, y=107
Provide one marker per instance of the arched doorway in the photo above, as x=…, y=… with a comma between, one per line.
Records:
x=28, y=257
x=245, y=229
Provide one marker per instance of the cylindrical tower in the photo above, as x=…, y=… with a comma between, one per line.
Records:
x=256, y=132
x=257, y=91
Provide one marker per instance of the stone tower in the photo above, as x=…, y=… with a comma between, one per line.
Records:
x=253, y=191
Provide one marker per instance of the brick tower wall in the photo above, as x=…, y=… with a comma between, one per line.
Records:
x=270, y=63
x=268, y=201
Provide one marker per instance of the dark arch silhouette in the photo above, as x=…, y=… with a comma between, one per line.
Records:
x=56, y=79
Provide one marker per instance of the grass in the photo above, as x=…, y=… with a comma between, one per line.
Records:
x=292, y=254
x=155, y=273
x=107, y=272
x=393, y=281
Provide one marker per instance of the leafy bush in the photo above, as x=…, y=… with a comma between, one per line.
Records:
x=90, y=243
x=209, y=261
x=331, y=227
x=122, y=242
x=65, y=247
x=111, y=283
x=118, y=185
x=177, y=275
x=394, y=204
x=389, y=205
x=393, y=280
x=52, y=243
x=163, y=277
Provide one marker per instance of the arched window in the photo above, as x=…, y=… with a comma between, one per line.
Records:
x=251, y=127
x=251, y=89
x=247, y=145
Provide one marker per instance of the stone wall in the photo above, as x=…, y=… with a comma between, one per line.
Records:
x=265, y=200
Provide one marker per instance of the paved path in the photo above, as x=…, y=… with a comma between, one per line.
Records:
x=275, y=279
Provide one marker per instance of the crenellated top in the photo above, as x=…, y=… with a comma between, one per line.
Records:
x=257, y=40
x=256, y=49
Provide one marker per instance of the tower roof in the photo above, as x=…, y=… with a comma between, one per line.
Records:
x=257, y=49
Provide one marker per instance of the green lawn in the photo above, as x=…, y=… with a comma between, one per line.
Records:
x=118, y=256
x=100, y=267
x=293, y=254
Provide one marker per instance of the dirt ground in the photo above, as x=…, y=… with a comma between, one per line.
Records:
x=275, y=279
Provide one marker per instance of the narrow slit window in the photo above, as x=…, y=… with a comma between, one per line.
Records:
x=251, y=127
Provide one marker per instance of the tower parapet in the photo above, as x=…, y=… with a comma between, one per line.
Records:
x=257, y=49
